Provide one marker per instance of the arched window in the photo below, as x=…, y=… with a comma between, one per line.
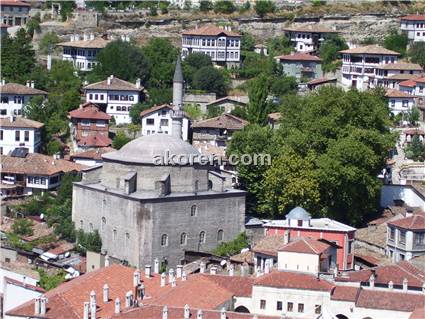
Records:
x=164, y=240
x=123, y=108
x=183, y=239
x=127, y=239
x=210, y=184
x=114, y=234
x=220, y=235
x=196, y=186
x=202, y=237
x=103, y=223
x=194, y=211
x=118, y=108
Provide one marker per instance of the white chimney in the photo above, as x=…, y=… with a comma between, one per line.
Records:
x=105, y=293
x=173, y=282
x=184, y=276
x=11, y=119
x=128, y=299
x=267, y=267
x=231, y=270
x=93, y=305
x=136, y=278
x=86, y=310
x=156, y=266
x=117, y=305
x=28, y=84
x=213, y=270
x=3, y=82
x=372, y=281
x=170, y=275
x=141, y=290
x=163, y=279
x=286, y=237
x=122, y=37
x=43, y=305
x=72, y=38
x=423, y=287
x=127, y=38
x=77, y=37
x=390, y=285
x=92, y=297
x=108, y=81
x=165, y=312
x=106, y=261
x=91, y=36
x=202, y=267
x=148, y=271
x=200, y=314
x=405, y=284
x=179, y=269
x=223, y=313
x=85, y=37
x=37, y=306
x=242, y=270
x=138, y=83
x=186, y=314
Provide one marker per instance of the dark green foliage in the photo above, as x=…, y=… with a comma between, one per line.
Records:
x=49, y=282
x=232, y=247
x=255, y=64
x=214, y=111
x=33, y=25
x=153, y=11
x=414, y=116
x=89, y=241
x=240, y=112
x=281, y=86
x=258, y=107
x=211, y=79
x=329, y=49
x=193, y=63
x=122, y=59
x=22, y=227
x=160, y=96
x=417, y=53
x=396, y=41
x=49, y=39
x=416, y=149
x=224, y=6
x=247, y=42
x=205, y=6
x=262, y=7
x=54, y=147
x=369, y=40
x=193, y=111
x=279, y=46
x=67, y=8
x=135, y=111
x=99, y=6
x=120, y=140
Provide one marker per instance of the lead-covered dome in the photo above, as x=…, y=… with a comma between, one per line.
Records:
x=298, y=213
x=145, y=149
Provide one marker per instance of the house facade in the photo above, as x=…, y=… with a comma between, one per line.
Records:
x=82, y=52
x=301, y=66
x=90, y=126
x=399, y=101
x=16, y=132
x=115, y=96
x=158, y=119
x=406, y=237
x=307, y=39
x=414, y=27
x=389, y=75
x=14, y=12
x=361, y=65
x=14, y=96
x=228, y=103
x=223, y=46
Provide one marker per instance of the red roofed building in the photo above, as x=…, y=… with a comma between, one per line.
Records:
x=399, y=101
x=14, y=12
x=414, y=27
x=406, y=237
x=90, y=126
x=221, y=45
x=301, y=65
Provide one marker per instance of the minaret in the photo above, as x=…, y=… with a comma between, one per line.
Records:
x=177, y=115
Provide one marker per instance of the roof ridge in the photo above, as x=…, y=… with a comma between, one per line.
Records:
x=308, y=244
x=410, y=272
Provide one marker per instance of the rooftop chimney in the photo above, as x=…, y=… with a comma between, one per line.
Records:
x=128, y=299
x=148, y=271
x=141, y=291
x=77, y=37
x=11, y=119
x=372, y=281
x=92, y=297
x=91, y=36
x=37, y=306
x=3, y=81
x=286, y=237
x=85, y=37
x=200, y=314
x=223, y=313
x=231, y=270
x=165, y=312
x=267, y=267
x=72, y=39
x=173, y=282
x=213, y=270
x=86, y=310
x=409, y=212
x=405, y=284
x=423, y=288
x=390, y=285
x=136, y=278
x=156, y=266
x=186, y=314
x=163, y=279
x=28, y=84
x=242, y=270
x=179, y=269
x=106, y=261
x=93, y=305
x=109, y=80
x=184, y=276
x=138, y=81
x=117, y=305
x=43, y=304
x=170, y=275
x=105, y=293
x=202, y=267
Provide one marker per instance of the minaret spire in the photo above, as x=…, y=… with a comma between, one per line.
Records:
x=178, y=85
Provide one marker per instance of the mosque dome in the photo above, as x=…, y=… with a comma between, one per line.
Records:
x=298, y=213
x=145, y=149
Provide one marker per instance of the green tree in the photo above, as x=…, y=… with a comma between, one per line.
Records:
x=369, y=40
x=262, y=7
x=89, y=241
x=67, y=8
x=416, y=149
x=329, y=49
x=49, y=39
x=247, y=42
x=194, y=62
x=232, y=247
x=258, y=107
x=279, y=45
x=214, y=111
x=49, y=282
x=187, y=5
x=163, y=6
x=153, y=11
x=193, y=111
x=22, y=227
x=240, y=112
x=120, y=140
x=224, y=6
x=33, y=25
x=396, y=41
x=123, y=59
x=417, y=53
x=284, y=85
x=135, y=111
x=54, y=147
x=211, y=79
x=205, y=6
x=414, y=115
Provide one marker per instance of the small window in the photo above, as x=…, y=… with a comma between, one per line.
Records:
x=1, y=135
x=402, y=236
x=279, y=306
x=202, y=237
x=194, y=211
x=392, y=233
x=317, y=309
x=164, y=240
x=290, y=307
x=301, y=307
x=17, y=136
x=103, y=223
x=27, y=136
x=300, y=222
x=183, y=239
x=164, y=122
x=220, y=235
x=420, y=238
x=262, y=304
x=114, y=234
x=85, y=122
x=81, y=224
x=150, y=121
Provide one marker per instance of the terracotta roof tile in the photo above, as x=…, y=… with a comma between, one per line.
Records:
x=415, y=222
x=16, y=88
x=345, y=293
x=397, y=93
x=89, y=111
x=116, y=84
x=420, y=80
x=401, y=66
x=293, y=280
x=414, y=131
x=414, y=17
x=16, y=3
x=93, y=154
x=98, y=43
x=387, y=300
x=20, y=122
x=61, y=248
x=321, y=81
x=299, y=57
x=22, y=284
x=269, y=245
x=225, y=121
x=418, y=313
x=94, y=140
x=245, y=257
x=401, y=77
x=306, y=246
x=210, y=31
x=155, y=109
x=370, y=49
x=408, y=83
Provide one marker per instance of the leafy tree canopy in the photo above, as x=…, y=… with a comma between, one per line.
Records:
x=211, y=79
x=205, y=6
x=329, y=49
x=396, y=41
x=258, y=106
x=415, y=150
x=120, y=140
x=224, y=6
x=262, y=7
x=417, y=53
x=232, y=247
x=22, y=227
x=135, y=111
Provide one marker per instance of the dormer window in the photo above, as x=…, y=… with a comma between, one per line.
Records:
x=300, y=223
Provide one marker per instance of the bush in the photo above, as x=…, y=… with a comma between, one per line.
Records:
x=214, y=111
x=120, y=140
x=135, y=111
x=417, y=53
x=232, y=247
x=54, y=147
x=49, y=39
x=22, y=227
x=224, y=6
x=49, y=282
x=89, y=241
x=205, y=6
x=193, y=111
x=396, y=41
x=262, y=7
x=210, y=79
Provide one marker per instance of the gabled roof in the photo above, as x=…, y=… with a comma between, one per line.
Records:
x=269, y=245
x=322, y=80
x=235, y=99
x=16, y=3
x=311, y=28
x=305, y=246
x=345, y=293
x=420, y=80
x=211, y=31
x=155, y=108
x=370, y=49
x=23, y=285
x=415, y=222
x=408, y=83
x=93, y=154
x=94, y=140
x=401, y=66
x=389, y=300
x=116, y=84
x=299, y=56
x=225, y=121
x=414, y=17
x=89, y=111
x=293, y=280
x=98, y=43
x=16, y=88
x=20, y=122
x=397, y=93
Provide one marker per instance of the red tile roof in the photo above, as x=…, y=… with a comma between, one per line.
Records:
x=408, y=83
x=93, y=154
x=420, y=80
x=293, y=280
x=94, y=140
x=299, y=57
x=225, y=121
x=306, y=246
x=387, y=300
x=16, y=88
x=155, y=108
x=414, y=131
x=16, y=3
x=322, y=80
x=370, y=49
x=397, y=93
x=210, y=31
x=269, y=245
x=115, y=84
x=20, y=122
x=23, y=285
x=345, y=293
x=418, y=313
x=401, y=66
x=415, y=222
x=98, y=43
x=414, y=17
x=89, y=111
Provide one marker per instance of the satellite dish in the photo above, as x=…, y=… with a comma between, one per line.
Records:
x=41, y=216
